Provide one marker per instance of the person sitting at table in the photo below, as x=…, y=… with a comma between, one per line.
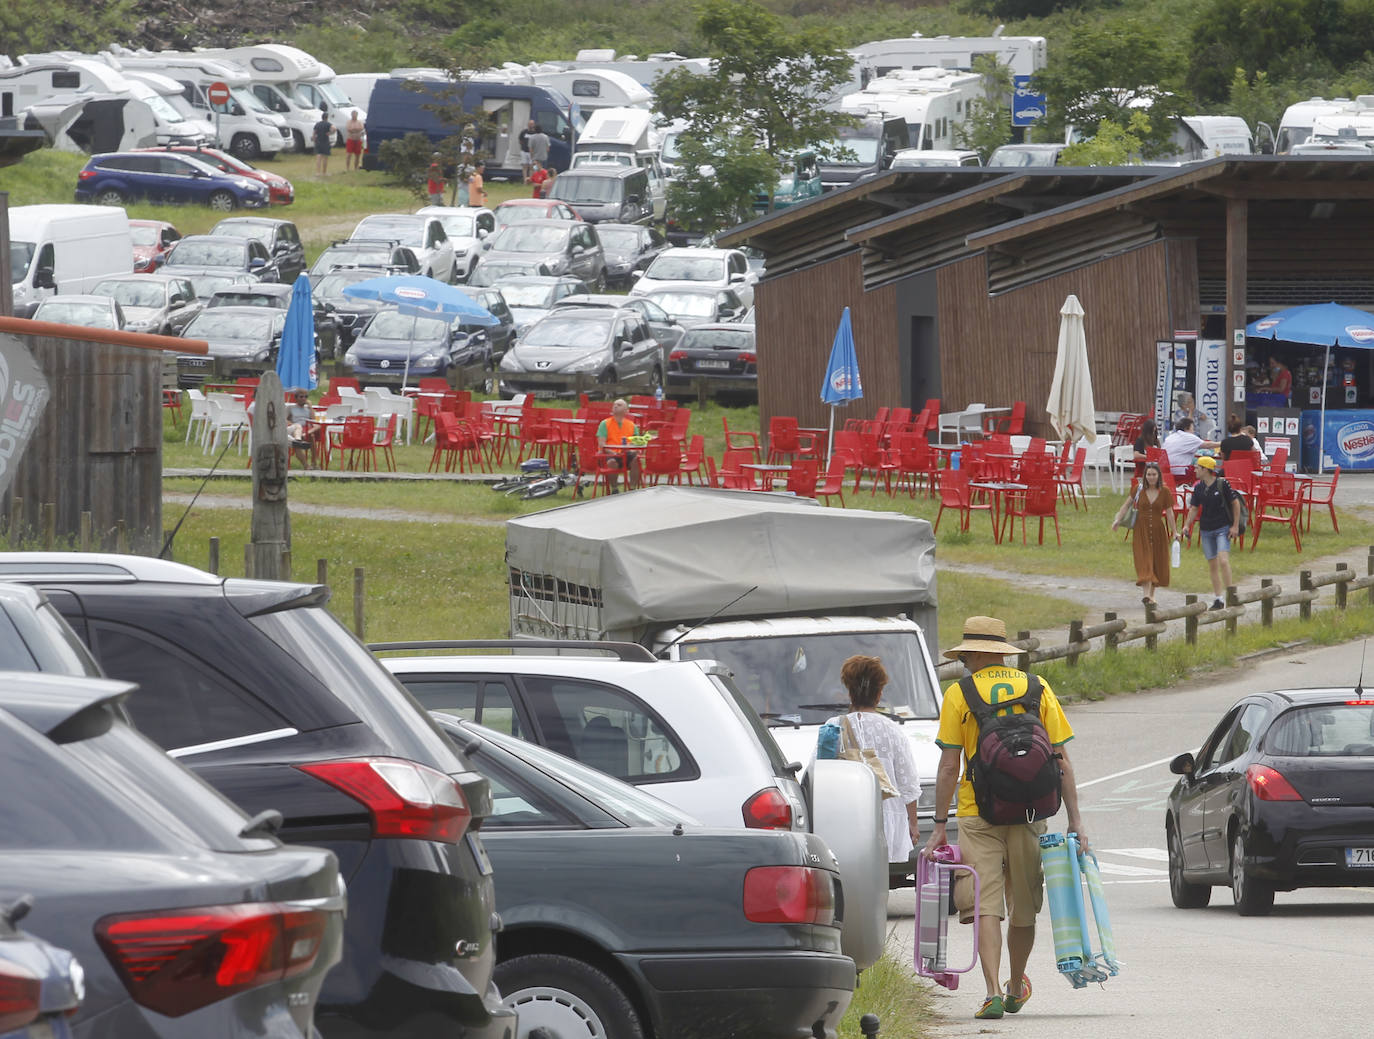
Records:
x=300, y=426
x=1149, y=437
x=1236, y=438
x=615, y=431
x=1203, y=425
x=1182, y=446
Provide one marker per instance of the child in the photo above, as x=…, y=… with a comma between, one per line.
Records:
x=539, y=178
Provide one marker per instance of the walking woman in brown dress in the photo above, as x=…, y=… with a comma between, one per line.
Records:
x=1154, y=530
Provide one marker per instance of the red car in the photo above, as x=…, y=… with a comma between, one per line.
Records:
x=279, y=189
x=516, y=209
x=152, y=239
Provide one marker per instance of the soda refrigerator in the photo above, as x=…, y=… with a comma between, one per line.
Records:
x=1344, y=438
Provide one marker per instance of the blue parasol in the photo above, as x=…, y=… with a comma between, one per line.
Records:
x=296, y=351
x=842, y=383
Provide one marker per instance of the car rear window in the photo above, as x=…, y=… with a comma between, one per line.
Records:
x=1330, y=730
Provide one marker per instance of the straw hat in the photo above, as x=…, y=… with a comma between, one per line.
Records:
x=983, y=635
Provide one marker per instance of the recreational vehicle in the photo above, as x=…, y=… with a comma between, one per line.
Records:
x=275, y=71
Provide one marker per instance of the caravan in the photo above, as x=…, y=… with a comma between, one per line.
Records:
x=66, y=249
x=594, y=89
x=932, y=102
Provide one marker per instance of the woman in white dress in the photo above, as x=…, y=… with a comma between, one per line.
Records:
x=864, y=678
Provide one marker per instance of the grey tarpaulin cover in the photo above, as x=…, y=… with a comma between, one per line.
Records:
x=614, y=566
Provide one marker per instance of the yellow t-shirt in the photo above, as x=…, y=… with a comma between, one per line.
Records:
x=998, y=686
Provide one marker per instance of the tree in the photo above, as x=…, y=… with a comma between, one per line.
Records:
x=719, y=181
x=1112, y=145
x=988, y=124
x=764, y=92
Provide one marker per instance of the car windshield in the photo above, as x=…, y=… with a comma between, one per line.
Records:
x=523, y=238
x=865, y=150
x=206, y=285
x=21, y=255
x=618, y=239
x=370, y=256
x=687, y=304
x=799, y=676
x=679, y=267
x=572, y=187
x=90, y=315
x=157, y=104
x=1327, y=731
x=525, y=294
x=1006, y=156
x=458, y=226
x=561, y=332
x=393, y=325
x=406, y=230
x=190, y=252
x=244, y=229
x=248, y=298
x=224, y=324
x=333, y=284
x=716, y=339
x=249, y=100
x=912, y=161
x=133, y=293
x=334, y=95
x=144, y=235
x=489, y=272
x=669, y=151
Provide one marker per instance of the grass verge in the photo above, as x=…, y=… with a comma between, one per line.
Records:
x=902, y=1003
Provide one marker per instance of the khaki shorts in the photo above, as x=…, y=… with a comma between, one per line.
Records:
x=1007, y=859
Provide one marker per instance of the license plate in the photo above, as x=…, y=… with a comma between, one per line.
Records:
x=479, y=852
x=723, y=365
x=1359, y=858
x=41, y=1030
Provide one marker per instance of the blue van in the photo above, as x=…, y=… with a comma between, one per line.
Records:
x=399, y=106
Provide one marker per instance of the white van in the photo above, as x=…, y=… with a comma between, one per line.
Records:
x=65, y=249
x=275, y=70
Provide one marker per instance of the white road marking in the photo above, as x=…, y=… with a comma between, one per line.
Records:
x=1117, y=870
x=1125, y=772
x=1153, y=854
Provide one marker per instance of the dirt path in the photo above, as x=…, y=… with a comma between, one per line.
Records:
x=215, y=501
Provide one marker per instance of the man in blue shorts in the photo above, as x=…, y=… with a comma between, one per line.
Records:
x=1216, y=509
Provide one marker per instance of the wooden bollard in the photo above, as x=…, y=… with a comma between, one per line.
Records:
x=1305, y=583
x=1023, y=661
x=1341, y=588
x=1232, y=599
x=358, y=626
x=1109, y=639
x=213, y=565
x=121, y=537
x=1190, y=622
x=1267, y=605
x=1151, y=640
x=49, y=525
x=1075, y=637
x=322, y=571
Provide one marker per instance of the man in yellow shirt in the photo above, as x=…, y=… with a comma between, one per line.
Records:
x=1007, y=858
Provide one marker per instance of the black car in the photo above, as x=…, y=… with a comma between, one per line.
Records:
x=350, y=314
x=378, y=257
x=277, y=296
x=399, y=349
x=220, y=254
x=188, y=918
x=655, y=926
x=260, y=691
x=628, y=247
x=282, y=239
x=1278, y=798
x=723, y=355
x=243, y=341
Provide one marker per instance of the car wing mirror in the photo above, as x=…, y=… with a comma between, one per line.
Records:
x=1182, y=765
x=43, y=278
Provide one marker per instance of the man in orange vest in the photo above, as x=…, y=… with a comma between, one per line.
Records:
x=616, y=432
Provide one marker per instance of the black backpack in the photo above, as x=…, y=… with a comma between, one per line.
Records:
x=1015, y=771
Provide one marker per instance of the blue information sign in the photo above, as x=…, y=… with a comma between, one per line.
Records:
x=1027, y=107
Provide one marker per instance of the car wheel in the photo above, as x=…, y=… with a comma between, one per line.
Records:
x=222, y=201
x=245, y=146
x=566, y=997
x=607, y=379
x=1252, y=897
x=1184, y=894
x=109, y=197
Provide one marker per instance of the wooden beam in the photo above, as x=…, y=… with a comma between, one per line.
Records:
x=1297, y=190
x=1237, y=260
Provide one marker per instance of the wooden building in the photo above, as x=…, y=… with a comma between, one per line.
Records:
x=955, y=277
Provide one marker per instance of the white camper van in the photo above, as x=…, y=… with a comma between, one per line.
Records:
x=932, y=102
x=1299, y=119
x=65, y=249
x=277, y=71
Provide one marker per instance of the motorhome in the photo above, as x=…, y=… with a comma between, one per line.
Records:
x=38, y=77
x=1299, y=119
x=65, y=249
x=243, y=124
x=1024, y=55
x=275, y=71
x=326, y=91
x=1352, y=125
x=416, y=100
x=932, y=102
x=642, y=70
x=357, y=86
x=595, y=89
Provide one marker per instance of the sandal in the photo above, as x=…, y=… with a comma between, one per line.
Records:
x=991, y=1008
x=1012, y=1004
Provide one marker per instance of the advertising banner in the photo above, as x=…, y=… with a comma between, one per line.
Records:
x=1344, y=438
x=1164, y=384
x=23, y=396
x=1209, y=391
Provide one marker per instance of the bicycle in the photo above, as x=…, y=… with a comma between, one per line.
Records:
x=536, y=479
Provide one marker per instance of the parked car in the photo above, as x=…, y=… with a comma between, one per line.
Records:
x=917, y=158
x=423, y=234
x=398, y=349
x=118, y=178
x=690, y=306
x=746, y=947
x=493, y=272
x=502, y=334
x=568, y=348
x=1277, y=799
x=724, y=268
x=42, y=985
x=207, y=284
x=378, y=257
x=159, y=303
x=1027, y=155
x=257, y=688
x=466, y=227
x=560, y=246
x=77, y=309
x=187, y=916
x=680, y=730
x=221, y=254
x=722, y=354
x=280, y=191
x=530, y=299
x=152, y=239
x=276, y=296
x=607, y=192
x=350, y=314
x=282, y=239
x=628, y=247
x=243, y=341
x=518, y=210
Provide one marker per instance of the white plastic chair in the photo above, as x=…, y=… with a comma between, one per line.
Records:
x=1019, y=443
x=200, y=414
x=382, y=403
x=228, y=417
x=356, y=401
x=1099, y=457
x=1123, y=464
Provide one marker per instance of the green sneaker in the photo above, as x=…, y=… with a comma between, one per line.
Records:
x=991, y=1008
x=1012, y=1004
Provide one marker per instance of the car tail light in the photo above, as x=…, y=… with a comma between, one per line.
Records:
x=749, y=358
x=1269, y=784
x=86, y=174
x=677, y=355
x=180, y=960
x=20, y=993
x=406, y=799
x=769, y=809
x=789, y=895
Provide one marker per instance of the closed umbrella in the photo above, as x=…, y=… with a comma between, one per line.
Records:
x=1072, y=411
x=296, y=351
x=420, y=297
x=842, y=383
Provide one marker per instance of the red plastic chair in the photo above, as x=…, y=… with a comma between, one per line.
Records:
x=730, y=473
x=1012, y=424
x=783, y=438
x=1070, y=485
x=956, y=494
x=1321, y=492
x=662, y=458
x=385, y=438
x=345, y=380
x=741, y=440
x=1038, y=501
x=358, y=440
x=171, y=401
x=833, y=484
x=693, y=461
x=802, y=478
x=916, y=462
x=1278, y=501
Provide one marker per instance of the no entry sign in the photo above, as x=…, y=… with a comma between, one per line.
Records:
x=218, y=93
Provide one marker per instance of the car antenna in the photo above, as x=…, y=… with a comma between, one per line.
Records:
x=1359, y=684
x=708, y=620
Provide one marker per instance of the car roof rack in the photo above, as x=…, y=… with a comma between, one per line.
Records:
x=630, y=652
x=394, y=242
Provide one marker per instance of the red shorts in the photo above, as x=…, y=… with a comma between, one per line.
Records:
x=352, y=147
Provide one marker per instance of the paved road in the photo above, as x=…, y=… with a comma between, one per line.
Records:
x=1206, y=972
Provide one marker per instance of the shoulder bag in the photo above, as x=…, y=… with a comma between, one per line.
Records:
x=853, y=751
x=1128, y=521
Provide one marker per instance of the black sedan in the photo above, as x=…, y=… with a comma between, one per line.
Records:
x=723, y=355
x=748, y=947
x=397, y=349
x=221, y=254
x=1281, y=796
x=276, y=296
x=628, y=247
x=243, y=341
x=349, y=313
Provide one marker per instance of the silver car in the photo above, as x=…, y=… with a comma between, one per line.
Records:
x=572, y=349
x=156, y=303
x=560, y=246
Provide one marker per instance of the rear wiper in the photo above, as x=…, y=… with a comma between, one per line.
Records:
x=779, y=720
